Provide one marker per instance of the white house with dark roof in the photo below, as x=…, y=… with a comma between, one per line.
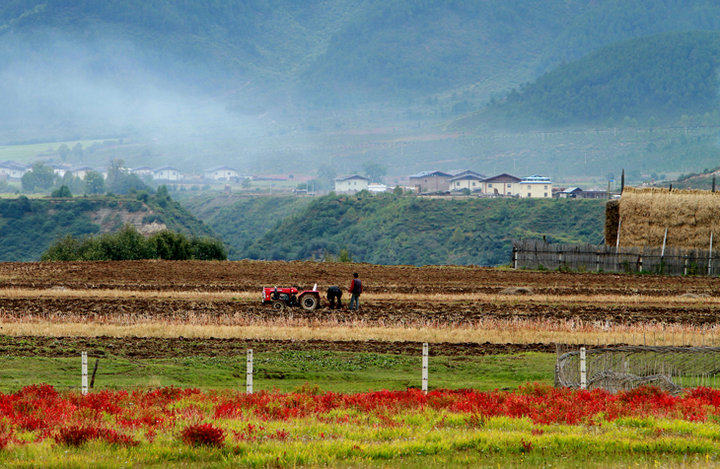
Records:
x=141, y=171
x=351, y=184
x=12, y=170
x=80, y=171
x=221, y=173
x=467, y=179
x=166, y=173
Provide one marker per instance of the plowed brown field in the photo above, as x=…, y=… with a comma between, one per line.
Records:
x=251, y=275
x=125, y=291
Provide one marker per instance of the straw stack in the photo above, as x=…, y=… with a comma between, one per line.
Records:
x=689, y=216
x=612, y=216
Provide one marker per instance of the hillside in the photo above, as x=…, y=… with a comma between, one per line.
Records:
x=29, y=226
x=431, y=58
x=649, y=80
x=240, y=221
x=300, y=86
x=408, y=230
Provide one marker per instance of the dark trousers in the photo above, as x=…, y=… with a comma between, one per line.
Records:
x=332, y=298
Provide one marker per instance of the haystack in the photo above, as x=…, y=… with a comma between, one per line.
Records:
x=689, y=216
x=612, y=215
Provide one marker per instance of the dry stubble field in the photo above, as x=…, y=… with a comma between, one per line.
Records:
x=148, y=309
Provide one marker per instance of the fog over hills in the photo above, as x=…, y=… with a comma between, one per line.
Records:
x=299, y=86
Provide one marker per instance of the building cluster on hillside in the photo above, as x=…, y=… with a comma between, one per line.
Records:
x=460, y=181
x=11, y=170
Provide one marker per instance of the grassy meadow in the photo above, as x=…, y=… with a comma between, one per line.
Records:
x=284, y=371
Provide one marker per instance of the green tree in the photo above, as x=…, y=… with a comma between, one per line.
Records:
x=66, y=249
x=120, y=181
x=78, y=153
x=63, y=152
x=170, y=245
x=374, y=171
x=94, y=183
x=62, y=191
x=75, y=184
x=39, y=178
x=207, y=249
x=127, y=244
x=326, y=178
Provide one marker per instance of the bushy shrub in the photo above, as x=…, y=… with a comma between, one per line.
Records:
x=76, y=435
x=128, y=244
x=203, y=434
x=207, y=249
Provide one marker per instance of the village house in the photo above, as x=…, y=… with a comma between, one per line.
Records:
x=467, y=179
x=431, y=181
x=502, y=185
x=142, y=171
x=12, y=170
x=570, y=193
x=351, y=184
x=80, y=171
x=376, y=187
x=59, y=169
x=166, y=173
x=221, y=173
x=535, y=187
x=577, y=193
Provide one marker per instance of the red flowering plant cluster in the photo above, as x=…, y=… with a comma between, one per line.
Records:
x=129, y=418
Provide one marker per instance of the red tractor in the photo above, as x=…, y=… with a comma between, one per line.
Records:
x=282, y=297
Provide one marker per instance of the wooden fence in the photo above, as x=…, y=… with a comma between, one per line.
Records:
x=536, y=254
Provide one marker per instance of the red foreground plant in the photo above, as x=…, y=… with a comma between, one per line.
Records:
x=204, y=434
x=76, y=435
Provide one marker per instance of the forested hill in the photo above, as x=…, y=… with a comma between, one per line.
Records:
x=650, y=80
x=389, y=229
x=380, y=48
x=242, y=220
x=29, y=226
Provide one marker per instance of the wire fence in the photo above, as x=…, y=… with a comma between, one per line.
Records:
x=628, y=367
x=264, y=371
x=536, y=254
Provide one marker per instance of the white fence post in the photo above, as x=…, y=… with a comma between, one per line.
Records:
x=425, y=367
x=249, y=373
x=710, y=256
x=84, y=382
x=583, y=369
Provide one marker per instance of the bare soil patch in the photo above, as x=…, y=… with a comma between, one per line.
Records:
x=432, y=294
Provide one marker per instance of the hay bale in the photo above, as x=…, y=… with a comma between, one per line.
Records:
x=612, y=216
x=517, y=291
x=689, y=215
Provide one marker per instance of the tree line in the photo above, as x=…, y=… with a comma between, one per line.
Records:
x=129, y=244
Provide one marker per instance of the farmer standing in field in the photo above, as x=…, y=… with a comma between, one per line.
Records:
x=355, y=291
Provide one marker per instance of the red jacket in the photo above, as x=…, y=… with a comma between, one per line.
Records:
x=355, y=286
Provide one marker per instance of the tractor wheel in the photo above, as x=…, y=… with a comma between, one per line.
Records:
x=278, y=305
x=309, y=302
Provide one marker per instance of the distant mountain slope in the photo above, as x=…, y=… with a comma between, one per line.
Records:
x=252, y=83
x=242, y=220
x=377, y=48
x=29, y=226
x=599, y=24
x=657, y=78
x=408, y=230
